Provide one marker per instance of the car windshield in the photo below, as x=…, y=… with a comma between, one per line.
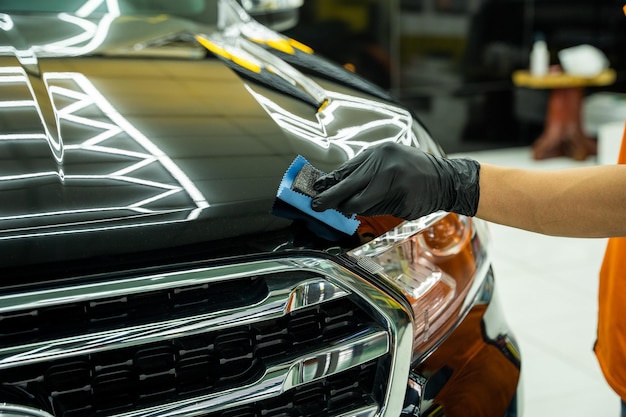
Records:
x=199, y=10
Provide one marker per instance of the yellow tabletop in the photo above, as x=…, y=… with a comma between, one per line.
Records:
x=524, y=78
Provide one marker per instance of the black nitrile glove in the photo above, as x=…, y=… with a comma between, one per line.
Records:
x=401, y=181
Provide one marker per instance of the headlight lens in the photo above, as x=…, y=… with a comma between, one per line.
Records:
x=432, y=261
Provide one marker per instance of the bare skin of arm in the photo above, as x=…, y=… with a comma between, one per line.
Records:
x=576, y=202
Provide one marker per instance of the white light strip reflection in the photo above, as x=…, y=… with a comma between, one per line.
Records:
x=17, y=103
x=6, y=23
x=145, y=157
x=92, y=32
x=323, y=134
x=89, y=31
x=92, y=5
x=134, y=167
x=139, y=137
x=94, y=36
x=13, y=79
x=140, y=210
x=12, y=70
x=56, y=146
x=113, y=126
x=33, y=175
x=24, y=136
x=141, y=219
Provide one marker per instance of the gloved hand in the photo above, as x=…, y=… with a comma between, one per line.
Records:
x=401, y=181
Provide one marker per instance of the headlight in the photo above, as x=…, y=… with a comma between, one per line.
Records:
x=432, y=261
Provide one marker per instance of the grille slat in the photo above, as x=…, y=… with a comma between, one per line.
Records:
x=77, y=318
x=146, y=374
x=287, y=335
x=332, y=396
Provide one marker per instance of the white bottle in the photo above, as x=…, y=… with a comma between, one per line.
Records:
x=539, y=58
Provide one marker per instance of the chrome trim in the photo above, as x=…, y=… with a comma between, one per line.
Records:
x=12, y=410
x=277, y=379
x=311, y=293
x=155, y=282
x=264, y=6
x=361, y=412
x=480, y=239
x=369, y=346
x=337, y=281
x=285, y=295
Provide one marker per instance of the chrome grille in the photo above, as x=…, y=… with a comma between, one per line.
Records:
x=37, y=324
x=273, y=338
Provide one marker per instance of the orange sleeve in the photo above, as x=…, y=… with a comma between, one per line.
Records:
x=610, y=346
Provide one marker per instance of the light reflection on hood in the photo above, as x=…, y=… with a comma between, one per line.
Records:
x=344, y=122
x=383, y=123
x=108, y=134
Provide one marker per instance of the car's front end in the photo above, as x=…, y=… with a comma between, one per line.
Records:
x=145, y=268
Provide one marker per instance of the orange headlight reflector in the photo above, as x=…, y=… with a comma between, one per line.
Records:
x=431, y=261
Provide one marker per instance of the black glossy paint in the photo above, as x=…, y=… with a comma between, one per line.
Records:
x=162, y=145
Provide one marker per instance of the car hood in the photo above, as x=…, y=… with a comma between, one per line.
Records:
x=164, y=133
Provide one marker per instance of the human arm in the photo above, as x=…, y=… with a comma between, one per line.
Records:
x=575, y=202
x=405, y=182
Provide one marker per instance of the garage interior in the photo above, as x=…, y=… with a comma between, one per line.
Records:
x=462, y=67
x=451, y=62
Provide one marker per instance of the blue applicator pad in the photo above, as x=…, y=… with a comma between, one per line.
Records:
x=296, y=189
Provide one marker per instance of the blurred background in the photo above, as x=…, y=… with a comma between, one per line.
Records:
x=451, y=61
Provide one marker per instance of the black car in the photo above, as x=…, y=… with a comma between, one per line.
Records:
x=147, y=266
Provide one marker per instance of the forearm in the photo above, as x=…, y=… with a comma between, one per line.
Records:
x=579, y=202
